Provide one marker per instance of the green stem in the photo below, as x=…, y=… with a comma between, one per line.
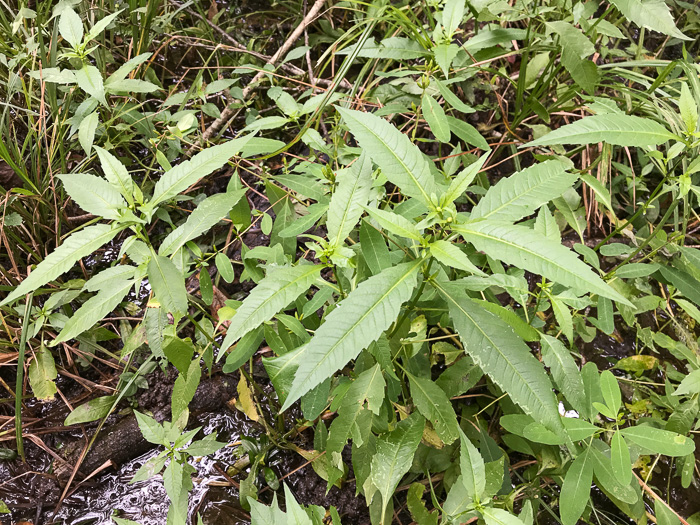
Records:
x=20, y=376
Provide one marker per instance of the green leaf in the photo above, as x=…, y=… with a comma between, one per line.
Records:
x=101, y=25
x=659, y=441
x=576, y=489
x=280, y=287
x=184, y=389
x=374, y=249
x=62, y=259
x=526, y=249
x=521, y=194
x=606, y=319
x=116, y=174
x=224, y=266
x=435, y=117
x=42, y=374
x=664, y=514
x=185, y=174
x=432, y=402
x=602, y=469
x=394, y=456
x=688, y=108
x=462, y=181
x=358, y=320
x=450, y=255
x=611, y=391
x=450, y=97
x=572, y=39
x=452, y=16
x=620, y=457
x=468, y=133
x=354, y=418
x=416, y=506
x=651, y=14
x=168, y=285
x=395, y=223
x=90, y=80
x=619, y=130
x=91, y=411
x=601, y=192
x=401, y=161
x=86, y=131
x=209, y=212
x=502, y=355
x=565, y=373
x=93, y=194
x=70, y=26
x=350, y=195
x=94, y=310
x=496, y=516
x=689, y=385
x=444, y=54
x=471, y=465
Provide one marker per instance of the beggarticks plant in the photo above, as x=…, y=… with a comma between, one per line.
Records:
x=398, y=281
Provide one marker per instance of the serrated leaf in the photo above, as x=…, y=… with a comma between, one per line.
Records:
x=688, y=108
x=565, y=373
x=91, y=411
x=435, y=117
x=89, y=79
x=526, y=249
x=353, y=415
x=351, y=194
x=502, y=355
x=659, y=441
x=280, y=287
x=70, y=26
x=471, y=465
x=357, y=321
x=168, y=285
x=93, y=194
x=432, y=402
x=401, y=161
x=185, y=174
x=94, y=310
x=445, y=53
x=63, y=258
x=395, y=223
x=42, y=374
x=520, y=195
x=576, y=489
x=619, y=130
x=86, y=131
x=209, y=212
x=116, y=174
x=653, y=14
x=394, y=456
x=450, y=255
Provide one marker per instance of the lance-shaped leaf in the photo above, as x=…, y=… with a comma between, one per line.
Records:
x=182, y=176
x=616, y=129
x=62, y=259
x=352, y=193
x=354, y=418
x=450, y=255
x=471, y=464
x=93, y=194
x=357, y=321
x=496, y=516
x=462, y=181
x=531, y=251
x=401, y=161
x=117, y=175
x=576, y=489
x=505, y=357
x=566, y=374
x=94, y=310
x=432, y=402
x=89, y=79
x=394, y=456
x=522, y=193
x=168, y=285
x=395, y=223
x=659, y=441
x=436, y=118
x=280, y=287
x=207, y=214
